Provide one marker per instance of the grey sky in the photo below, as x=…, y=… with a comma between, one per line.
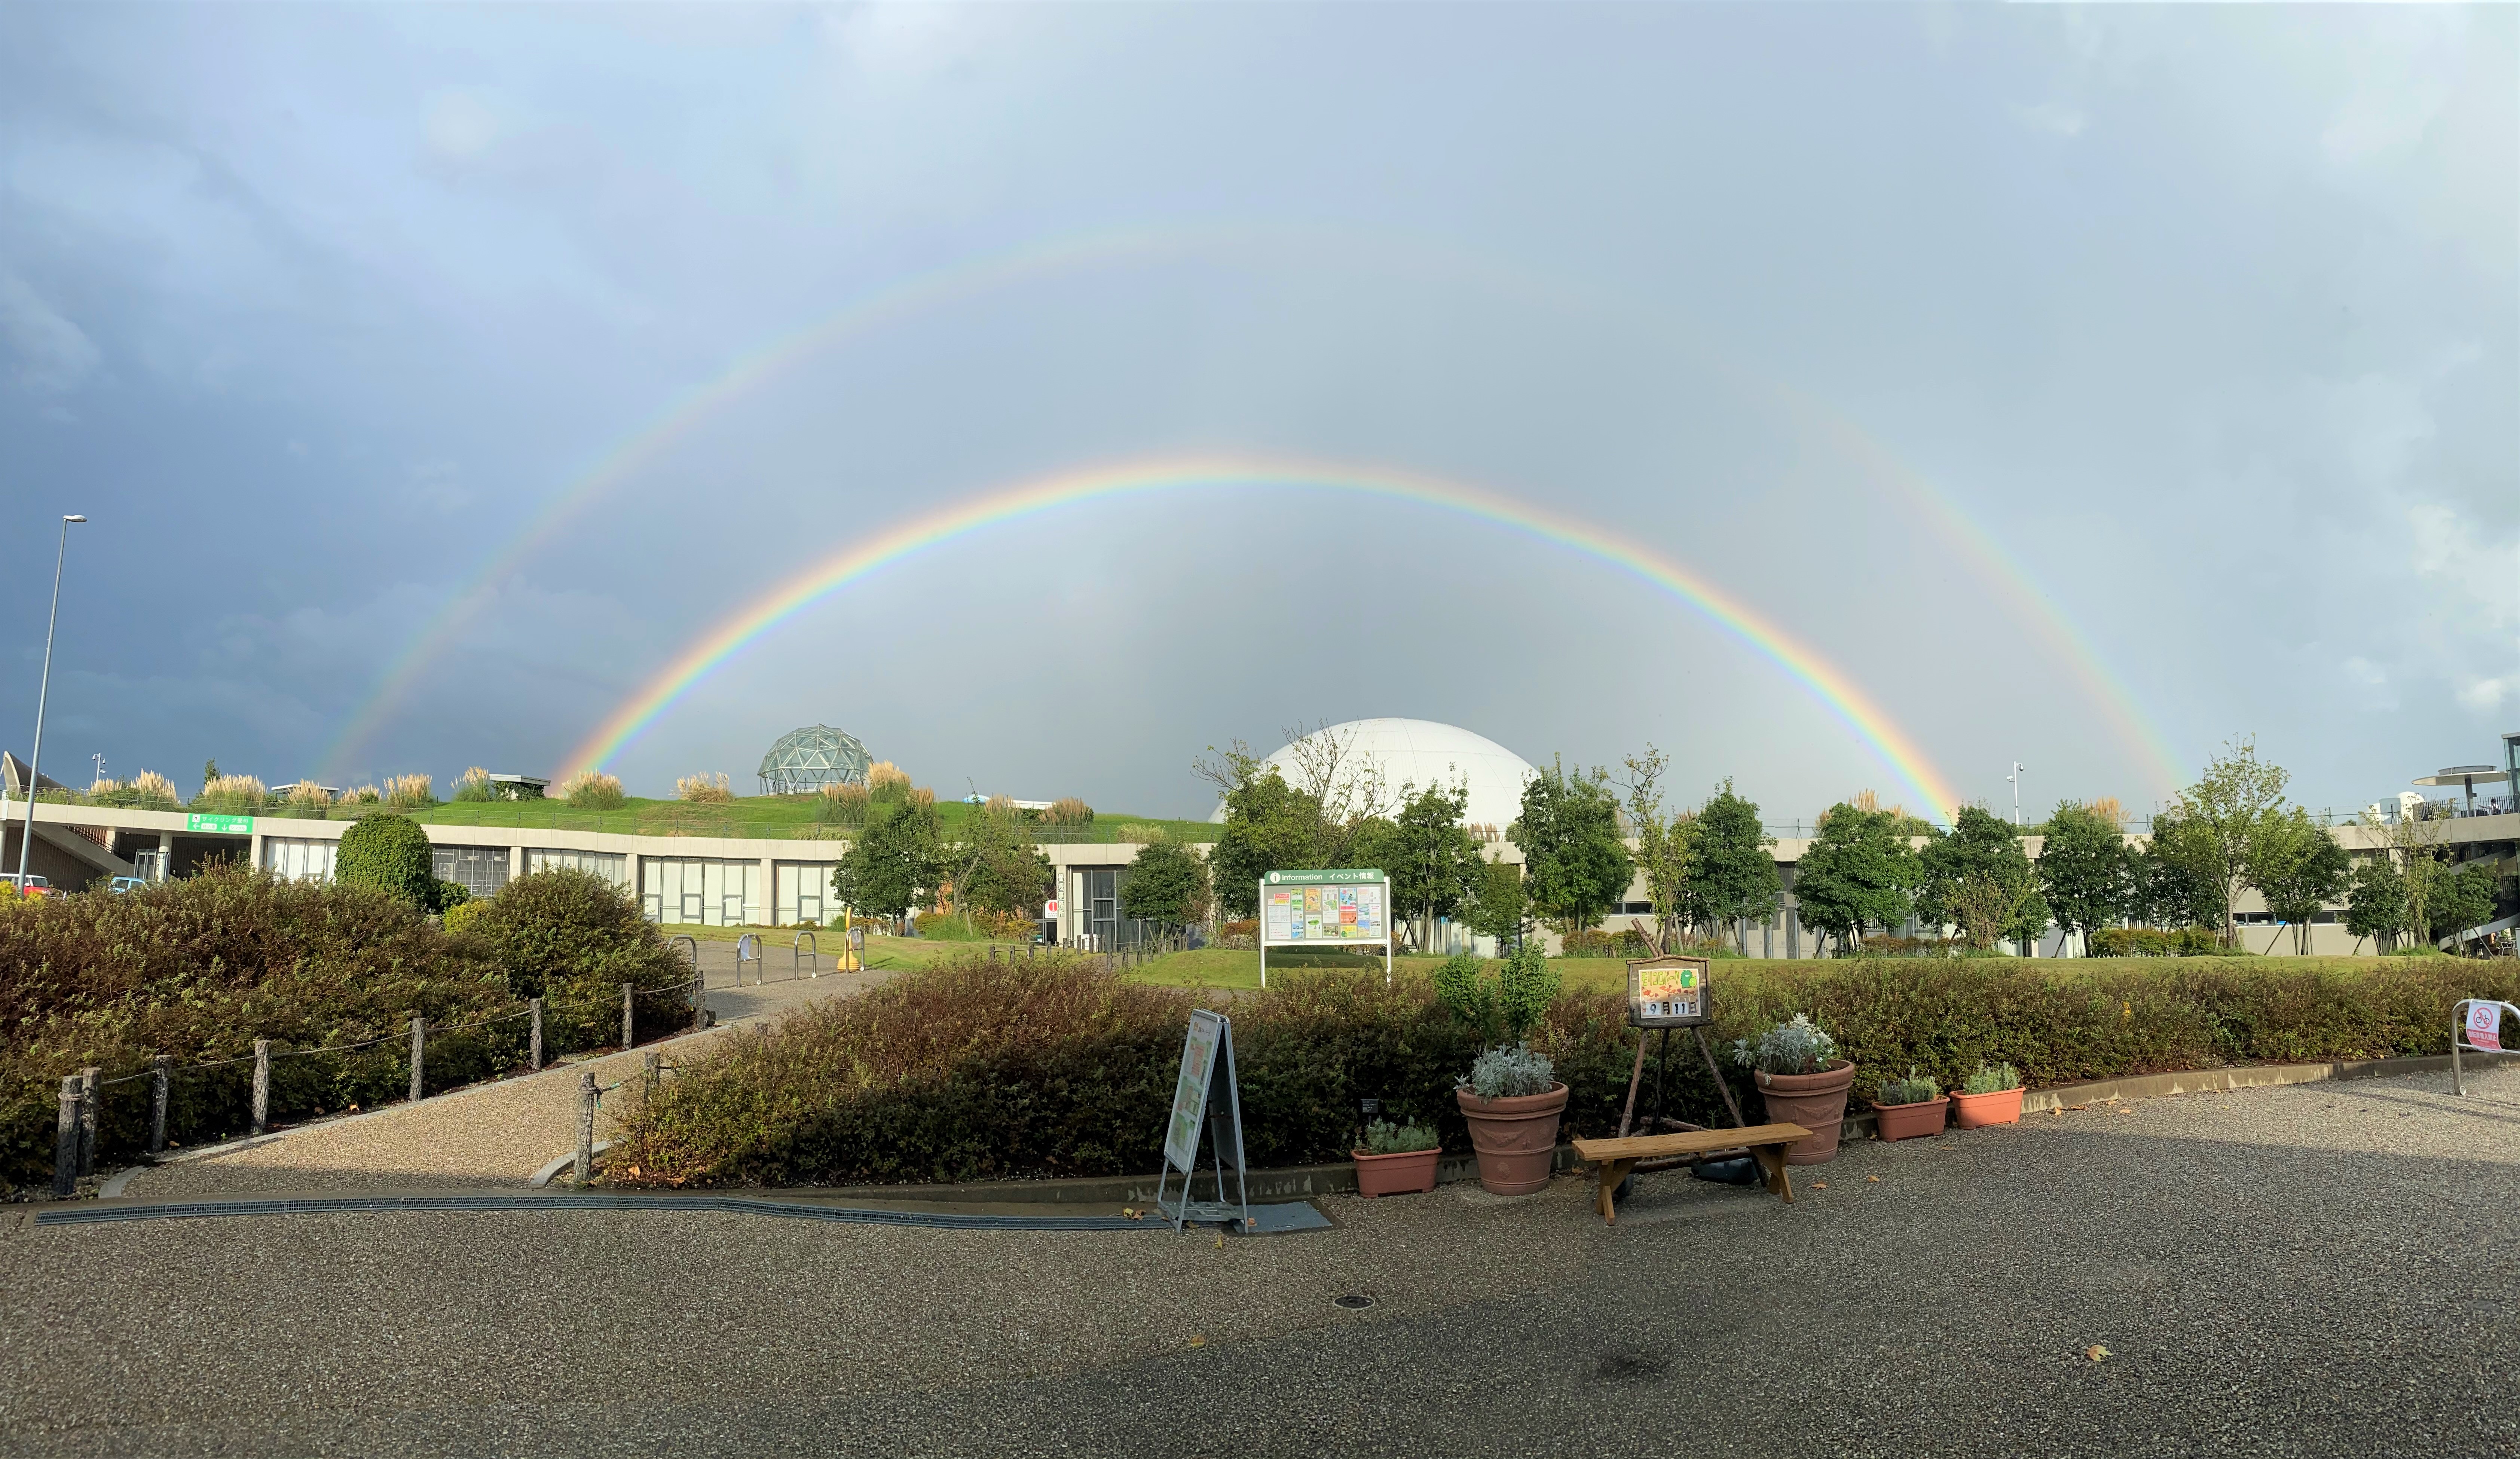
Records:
x=2206, y=318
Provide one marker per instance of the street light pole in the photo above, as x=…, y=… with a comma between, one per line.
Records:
x=2015, y=778
x=36, y=757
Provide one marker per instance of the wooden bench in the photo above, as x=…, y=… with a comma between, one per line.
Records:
x=1612, y=1159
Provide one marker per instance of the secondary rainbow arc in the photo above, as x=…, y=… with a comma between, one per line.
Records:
x=1846, y=701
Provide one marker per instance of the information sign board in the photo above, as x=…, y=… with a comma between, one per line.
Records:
x=1314, y=909
x=2485, y=1024
x=1200, y=1102
x=1668, y=993
x=1189, y=1091
x=194, y=820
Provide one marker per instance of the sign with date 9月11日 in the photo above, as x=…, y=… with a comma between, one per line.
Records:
x=1668, y=992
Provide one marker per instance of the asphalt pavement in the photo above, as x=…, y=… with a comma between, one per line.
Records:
x=2316, y=1269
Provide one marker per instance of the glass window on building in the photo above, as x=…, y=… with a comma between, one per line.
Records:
x=611, y=866
x=804, y=893
x=703, y=891
x=480, y=870
x=294, y=860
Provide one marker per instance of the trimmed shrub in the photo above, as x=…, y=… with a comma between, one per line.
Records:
x=196, y=969
x=572, y=939
x=1592, y=941
x=971, y=1069
x=391, y=853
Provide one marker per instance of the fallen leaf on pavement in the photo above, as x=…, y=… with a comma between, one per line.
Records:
x=2095, y=1352
x=1875, y=1179
x=1195, y=1340
x=1820, y=1185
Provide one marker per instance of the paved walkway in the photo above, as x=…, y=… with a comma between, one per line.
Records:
x=495, y=1134
x=2316, y=1269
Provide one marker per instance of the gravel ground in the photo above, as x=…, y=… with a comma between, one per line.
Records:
x=2317, y=1269
x=488, y=1135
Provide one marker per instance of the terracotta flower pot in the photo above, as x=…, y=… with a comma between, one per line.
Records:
x=1908, y=1122
x=1399, y=1174
x=2003, y=1107
x=1515, y=1136
x=1816, y=1103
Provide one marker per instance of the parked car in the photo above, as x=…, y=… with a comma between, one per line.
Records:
x=127, y=883
x=34, y=885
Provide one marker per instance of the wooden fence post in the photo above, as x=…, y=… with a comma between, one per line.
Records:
x=587, y=1095
x=419, y=1056
x=629, y=1031
x=535, y=1052
x=654, y=1063
x=700, y=1001
x=261, y=1084
x=160, y=1075
x=66, y=1139
x=90, y=1097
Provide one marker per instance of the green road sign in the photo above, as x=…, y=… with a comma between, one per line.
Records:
x=218, y=825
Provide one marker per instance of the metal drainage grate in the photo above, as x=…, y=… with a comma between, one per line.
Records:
x=1354, y=1301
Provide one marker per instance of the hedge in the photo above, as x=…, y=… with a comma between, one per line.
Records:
x=972, y=1069
x=198, y=969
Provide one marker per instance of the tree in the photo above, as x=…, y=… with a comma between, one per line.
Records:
x=2297, y=867
x=2220, y=812
x=2083, y=870
x=1574, y=857
x=2375, y=904
x=896, y=857
x=1980, y=878
x=2411, y=846
x=1856, y=873
x=1167, y=885
x=995, y=867
x=390, y=853
x=2464, y=898
x=1432, y=863
x=1269, y=826
x=2170, y=890
x=1666, y=845
x=1499, y=908
x=1734, y=875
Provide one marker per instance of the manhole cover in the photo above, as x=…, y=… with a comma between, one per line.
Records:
x=1354, y=1301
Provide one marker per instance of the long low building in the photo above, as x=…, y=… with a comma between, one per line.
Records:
x=744, y=881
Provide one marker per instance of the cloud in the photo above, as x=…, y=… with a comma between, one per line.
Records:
x=2052, y=116
x=49, y=355
x=459, y=125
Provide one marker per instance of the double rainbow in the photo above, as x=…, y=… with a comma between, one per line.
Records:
x=1850, y=705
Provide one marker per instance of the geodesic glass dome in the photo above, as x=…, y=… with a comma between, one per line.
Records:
x=805, y=760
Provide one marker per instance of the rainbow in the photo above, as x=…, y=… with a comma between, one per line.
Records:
x=733, y=633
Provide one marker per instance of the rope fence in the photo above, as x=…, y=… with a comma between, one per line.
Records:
x=81, y=1104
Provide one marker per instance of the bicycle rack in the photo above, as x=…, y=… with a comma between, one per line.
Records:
x=2464, y=1025
x=796, y=952
x=748, y=940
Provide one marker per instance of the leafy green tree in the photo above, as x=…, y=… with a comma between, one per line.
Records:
x=2298, y=867
x=2171, y=891
x=1269, y=826
x=2375, y=902
x=1498, y=909
x=898, y=857
x=1432, y=862
x=1856, y=873
x=2084, y=871
x=2411, y=846
x=1980, y=877
x=1666, y=845
x=2219, y=814
x=2464, y=898
x=390, y=853
x=995, y=867
x=1733, y=869
x=1166, y=884
x=1574, y=858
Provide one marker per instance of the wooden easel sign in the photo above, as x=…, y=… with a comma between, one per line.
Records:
x=1668, y=992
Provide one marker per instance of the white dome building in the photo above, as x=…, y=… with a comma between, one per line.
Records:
x=1420, y=753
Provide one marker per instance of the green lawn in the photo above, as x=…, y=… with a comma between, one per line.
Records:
x=752, y=817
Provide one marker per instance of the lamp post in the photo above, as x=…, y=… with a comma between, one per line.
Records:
x=35, y=757
x=2015, y=778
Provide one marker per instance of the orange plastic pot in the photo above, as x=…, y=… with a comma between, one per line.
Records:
x=1816, y=1103
x=2003, y=1107
x=1516, y=1138
x=1908, y=1122
x=1401, y=1174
